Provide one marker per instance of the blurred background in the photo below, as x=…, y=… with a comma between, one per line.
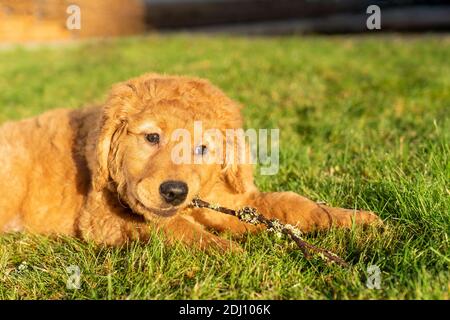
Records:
x=45, y=20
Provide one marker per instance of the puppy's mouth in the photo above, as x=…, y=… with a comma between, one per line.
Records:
x=150, y=212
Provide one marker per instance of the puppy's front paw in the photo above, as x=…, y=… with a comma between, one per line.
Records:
x=182, y=229
x=368, y=218
x=347, y=217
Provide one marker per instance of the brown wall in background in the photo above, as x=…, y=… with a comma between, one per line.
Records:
x=45, y=20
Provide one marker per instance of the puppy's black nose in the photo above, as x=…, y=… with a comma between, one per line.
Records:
x=173, y=192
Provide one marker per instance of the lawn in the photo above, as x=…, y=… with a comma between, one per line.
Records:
x=364, y=122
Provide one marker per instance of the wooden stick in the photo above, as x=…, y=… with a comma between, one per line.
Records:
x=252, y=216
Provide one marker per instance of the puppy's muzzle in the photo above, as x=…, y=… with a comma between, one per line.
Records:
x=173, y=192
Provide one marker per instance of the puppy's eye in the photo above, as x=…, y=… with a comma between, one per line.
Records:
x=201, y=150
x=153, y=138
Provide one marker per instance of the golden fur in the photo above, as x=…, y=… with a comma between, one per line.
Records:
x=90, y=173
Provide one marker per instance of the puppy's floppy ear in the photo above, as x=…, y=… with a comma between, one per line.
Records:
x=111, y=125
x=238, y=174
x=239, y=178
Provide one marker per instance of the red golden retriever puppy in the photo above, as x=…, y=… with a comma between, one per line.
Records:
x=107, y=174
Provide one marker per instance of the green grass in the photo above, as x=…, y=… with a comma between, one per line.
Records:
x=364, y=123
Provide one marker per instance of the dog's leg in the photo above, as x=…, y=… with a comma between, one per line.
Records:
x=307, y=215
x=183, y=228
x=288, y=207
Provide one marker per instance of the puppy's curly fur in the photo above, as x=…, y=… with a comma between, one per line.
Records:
x=91, y=173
